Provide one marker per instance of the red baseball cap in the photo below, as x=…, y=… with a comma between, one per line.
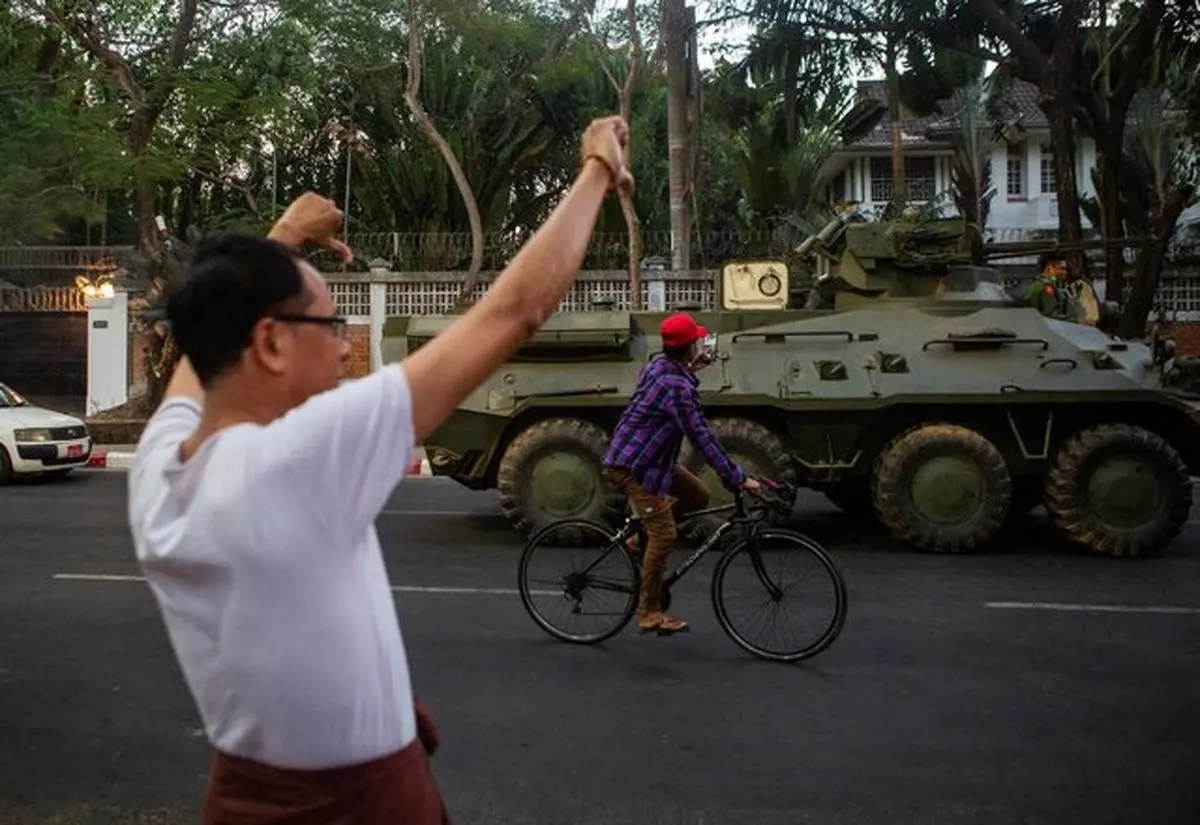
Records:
x=680, y=330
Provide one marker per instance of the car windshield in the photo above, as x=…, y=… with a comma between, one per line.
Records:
x=8, y=398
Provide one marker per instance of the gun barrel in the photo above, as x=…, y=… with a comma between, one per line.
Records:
x=1017, y=249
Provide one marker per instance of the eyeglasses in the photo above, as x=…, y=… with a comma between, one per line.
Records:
x=334, y=322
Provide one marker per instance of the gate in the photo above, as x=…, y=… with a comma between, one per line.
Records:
x=43, y=344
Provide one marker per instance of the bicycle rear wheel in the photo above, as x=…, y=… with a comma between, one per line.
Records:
x=752, y=573
x=551, y=576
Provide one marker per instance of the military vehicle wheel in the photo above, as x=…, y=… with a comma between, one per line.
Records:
x=942, y=487
x=553, y=471
x=755, y=448
x=1119, y=490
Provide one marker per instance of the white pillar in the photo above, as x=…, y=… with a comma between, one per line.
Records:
x=656, y=297
x=378, y=318
x=108, y=352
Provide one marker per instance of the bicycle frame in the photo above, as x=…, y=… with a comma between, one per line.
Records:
x=742, y=517
x=753, y=523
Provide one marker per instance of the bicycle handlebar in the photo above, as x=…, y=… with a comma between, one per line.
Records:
x=774, y=496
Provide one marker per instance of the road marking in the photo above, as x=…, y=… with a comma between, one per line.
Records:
x=98, y=577
x=470, y=591
x=441, y=513
x=444, y=591
x=1094, y=608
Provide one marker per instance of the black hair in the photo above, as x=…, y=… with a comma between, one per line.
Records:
x=232, y=281
x=678, y=353
x=1047, y=258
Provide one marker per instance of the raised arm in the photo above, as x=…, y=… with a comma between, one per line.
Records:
x=310, y=218
x=443, y=372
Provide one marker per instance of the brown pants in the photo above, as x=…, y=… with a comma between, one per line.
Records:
x=398, y=789
x=659, y=514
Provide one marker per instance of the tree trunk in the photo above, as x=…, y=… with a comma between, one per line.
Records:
x=1056, y=103
x=149, y=243
x=624, y=95
x=425, y=122
x=632, y=224
x=1149, y=266
x=190, y=208
x=675, y=41
x=899, y=184
x=1109, y=202
x=791, y=73
x=693, y=182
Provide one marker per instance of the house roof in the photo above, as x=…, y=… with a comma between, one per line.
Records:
x=913, y=129
x=1019, y=104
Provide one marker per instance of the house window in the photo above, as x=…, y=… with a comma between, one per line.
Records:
x=881, y=179
x=1015, y=185
x=1047, y=169
x=920, y=176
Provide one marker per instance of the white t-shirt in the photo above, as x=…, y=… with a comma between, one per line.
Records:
x=262, y=552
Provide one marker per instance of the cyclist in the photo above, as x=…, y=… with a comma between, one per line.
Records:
x=641, y=459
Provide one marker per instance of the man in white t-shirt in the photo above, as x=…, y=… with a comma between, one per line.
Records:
x=253, y=498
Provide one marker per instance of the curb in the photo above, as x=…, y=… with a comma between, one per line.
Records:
x=102, y=459
x=420, y=468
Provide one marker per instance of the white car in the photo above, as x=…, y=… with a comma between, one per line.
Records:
x=37, y=440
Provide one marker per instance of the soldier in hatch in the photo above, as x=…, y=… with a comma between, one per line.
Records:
x=1048, y=292
x=1058, y=293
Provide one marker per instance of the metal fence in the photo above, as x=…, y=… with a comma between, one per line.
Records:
x=426, y=293
x=42, y=299
x=429, y=293
x=422, y=252
x=451, y=251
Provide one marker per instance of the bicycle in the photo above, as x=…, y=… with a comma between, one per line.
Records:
x=755, y=535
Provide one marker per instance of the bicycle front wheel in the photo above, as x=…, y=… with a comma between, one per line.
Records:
x=751, y=588
x=592, y=579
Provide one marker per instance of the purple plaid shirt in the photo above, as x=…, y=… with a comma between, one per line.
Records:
x=664, y=408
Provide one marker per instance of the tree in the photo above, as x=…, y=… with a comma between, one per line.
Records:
x=412, y=99
x=256, y=105
x=1153, y=193
x=828, y=40
x=147, y=85
x=624, y=92
x=974, y=119
x=57, y=152
x=675, y=20
x=1088, y=79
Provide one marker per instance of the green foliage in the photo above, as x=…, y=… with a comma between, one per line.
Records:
x=57, y=153
x=275, y=99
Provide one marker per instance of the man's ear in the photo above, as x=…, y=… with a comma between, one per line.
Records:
x=268, y=347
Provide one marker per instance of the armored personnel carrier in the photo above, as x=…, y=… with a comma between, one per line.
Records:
x=911, y=387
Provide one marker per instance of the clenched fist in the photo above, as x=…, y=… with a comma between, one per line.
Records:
x=314, y=219
x=605, y=140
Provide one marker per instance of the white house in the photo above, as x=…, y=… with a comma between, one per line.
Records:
x=1022, y=174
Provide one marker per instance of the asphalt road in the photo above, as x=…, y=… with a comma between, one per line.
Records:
x=933, y=707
